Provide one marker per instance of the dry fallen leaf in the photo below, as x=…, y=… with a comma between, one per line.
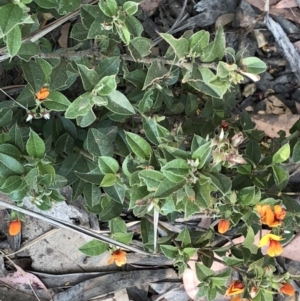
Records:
x=297, y=45
x=290, y=13
x=150, y=5
x=224, y=20
x=272, y=124
x=286, y=4
x=64, y=35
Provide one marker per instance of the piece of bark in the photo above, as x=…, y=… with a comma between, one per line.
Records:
x=286, y=47
x=112, y=283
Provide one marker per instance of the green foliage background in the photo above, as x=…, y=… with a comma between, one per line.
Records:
x=131, y=131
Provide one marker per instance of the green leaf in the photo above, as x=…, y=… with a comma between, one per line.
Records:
x=110, y=209
x=253, y=65
x=138, y=145
x=197, y=42
x=5, y=116
x=47, y=169
x=117, y=225
x=253, y=151
x=230, y=261
x=87, y=119
x=34, y=75
x=202, y=153
x=108, y=7
x=116, y=192
x=67, y=6
x=156, y=72
x=281, y=176
x=169, y=251
x=282, y=154
x=139, y=47
x=80, y=106
x=180, y=46
x=47, y=3
x=249, y=239
x=9, y=166
x=28, y=50
x=203, y=190
x=10, y=150
x=14, y=40
x=130, y=7
x=176, y=170
x=92, y=194
x=166, y=188
x=147, y=230
x=10, y=16
x=46, y=66
x=296, y=152
x=57, y=101
x=184, y=236
x=247, y=195
x=35, y=146
x=97, y=143
x=94, y=248
x=118, y=103
x=203, y=272
x=190, y=252
x=16, y=136
x=108, y=165
x=64, y=144
x=134, y=26
x=106, y=86
x=220, y=181
x=72, y=163
x=94, y=176
x=89, y=77
x=20, y=194
x=59, y=76
x=108, y=66
x=11, y=184
x=125, y=238
x=152, y=178
x=216, y=49
x=108, y=180
x=147, y=102
x=31, y=178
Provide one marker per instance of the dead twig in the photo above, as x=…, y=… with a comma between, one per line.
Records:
x=65, y=225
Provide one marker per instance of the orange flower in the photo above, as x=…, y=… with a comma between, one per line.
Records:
x=236, y=298
x=279, y=213
x=14, y=227
x=119, y=257
x=287, y=289
x=275, y=248
x=270, y=218
x=236, y=287
x=223, y=226
x=42, y=94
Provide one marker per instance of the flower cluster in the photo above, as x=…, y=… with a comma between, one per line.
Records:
x=236, y=289
x=272, y=218
x=226, y=150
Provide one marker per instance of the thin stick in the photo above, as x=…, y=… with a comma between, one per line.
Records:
x=65, y=225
